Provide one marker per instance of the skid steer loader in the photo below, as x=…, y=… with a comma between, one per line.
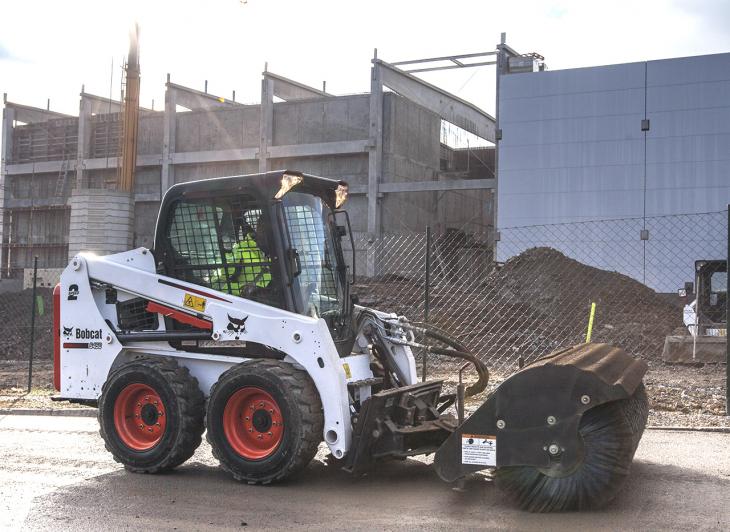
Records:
x=241, y=322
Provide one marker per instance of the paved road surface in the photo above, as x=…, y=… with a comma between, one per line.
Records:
x=56, y=475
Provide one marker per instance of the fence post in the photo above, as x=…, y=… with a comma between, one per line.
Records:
x=32, y=322
x=727, y=320
x=427, y=294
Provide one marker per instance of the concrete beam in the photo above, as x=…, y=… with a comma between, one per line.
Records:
x=321, y=148
x=428, y=186
x=449, y=107
x=195, y=99
x=103, y=163
x=101, y=105
x=199, y=157
x=27, y=203
x=216, y=156
x=29, y=115
x=288, y=89
x=30, y=168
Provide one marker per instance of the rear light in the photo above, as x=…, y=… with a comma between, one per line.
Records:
x=57, y=337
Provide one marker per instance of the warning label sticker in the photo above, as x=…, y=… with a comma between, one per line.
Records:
x=194, y=302
x=478, y=449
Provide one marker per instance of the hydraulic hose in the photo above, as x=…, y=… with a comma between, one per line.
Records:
x=458, y=350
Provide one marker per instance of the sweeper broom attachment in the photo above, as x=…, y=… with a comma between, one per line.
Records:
x=561, y=432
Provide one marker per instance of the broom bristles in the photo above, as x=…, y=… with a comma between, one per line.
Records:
x=611, y=434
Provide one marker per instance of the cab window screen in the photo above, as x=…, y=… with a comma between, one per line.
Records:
x=219, y=244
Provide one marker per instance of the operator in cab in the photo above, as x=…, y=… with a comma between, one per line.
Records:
x=247, y=264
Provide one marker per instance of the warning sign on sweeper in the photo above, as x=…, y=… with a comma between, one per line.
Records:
x=478, y=449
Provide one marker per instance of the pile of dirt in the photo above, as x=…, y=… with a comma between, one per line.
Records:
x=533, y=304
x=15, y=317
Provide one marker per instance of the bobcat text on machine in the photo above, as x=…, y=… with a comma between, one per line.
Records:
x=242, y=316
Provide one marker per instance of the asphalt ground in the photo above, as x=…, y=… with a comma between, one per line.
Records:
x=56, y=475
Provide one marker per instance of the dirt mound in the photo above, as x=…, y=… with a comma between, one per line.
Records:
x=534, y=303
x=15, y=317
x=556, y=293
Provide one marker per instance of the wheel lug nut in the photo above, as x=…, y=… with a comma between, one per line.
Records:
x=156, y=402
x=141, y=426
x=269, y=433
x=137, y=416
x=250, y=430
x=246, y=418
x=150, y=429
x=157, y=424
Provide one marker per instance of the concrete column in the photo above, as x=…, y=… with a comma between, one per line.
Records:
x=375, y=161
x=266, y=124
x=83, y=150
x=5, y=157
x=167, y=177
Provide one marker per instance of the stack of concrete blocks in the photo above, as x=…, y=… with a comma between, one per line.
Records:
x=102, y=221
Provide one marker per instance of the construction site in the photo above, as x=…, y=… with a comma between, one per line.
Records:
x=361, y=279
x=415, y=157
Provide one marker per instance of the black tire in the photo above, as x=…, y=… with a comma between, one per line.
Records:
x=179, y=421
x=611, y=434
x=297, y=407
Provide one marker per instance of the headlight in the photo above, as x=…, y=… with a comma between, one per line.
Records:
x=288, y=182
x=340, y=196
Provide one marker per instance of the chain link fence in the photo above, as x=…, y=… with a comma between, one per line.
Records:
x=534, y=298
x=538, y=294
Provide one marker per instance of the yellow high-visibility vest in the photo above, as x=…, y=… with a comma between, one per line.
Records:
x=252, y=266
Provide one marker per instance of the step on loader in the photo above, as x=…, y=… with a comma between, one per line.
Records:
x=240, y=322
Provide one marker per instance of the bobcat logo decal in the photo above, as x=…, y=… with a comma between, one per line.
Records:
x=67, y=331
x=236, y=327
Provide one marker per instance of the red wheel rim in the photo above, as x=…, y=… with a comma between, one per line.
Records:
x=139, y=417
x=253, y=423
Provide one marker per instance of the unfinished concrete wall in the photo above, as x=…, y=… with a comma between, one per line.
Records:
x=151, y=126
x=192, y=172
x=145, y=221
x=321, y=120
x=411, y=152
x=217, y=129
x=102, y=221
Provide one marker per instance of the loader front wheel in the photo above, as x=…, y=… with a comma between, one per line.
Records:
x=151, y=414
x=611, y=434
x=264, y=421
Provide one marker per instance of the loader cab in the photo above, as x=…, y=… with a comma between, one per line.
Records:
x=711, y=306
x=274, y=238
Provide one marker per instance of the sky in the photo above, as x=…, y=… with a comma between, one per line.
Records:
x=49, y=48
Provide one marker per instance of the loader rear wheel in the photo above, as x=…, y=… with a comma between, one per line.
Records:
x=611, y=434
x=151, y=414
x=264, y=421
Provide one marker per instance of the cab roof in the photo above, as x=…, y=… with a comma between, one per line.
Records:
x=264, y=185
